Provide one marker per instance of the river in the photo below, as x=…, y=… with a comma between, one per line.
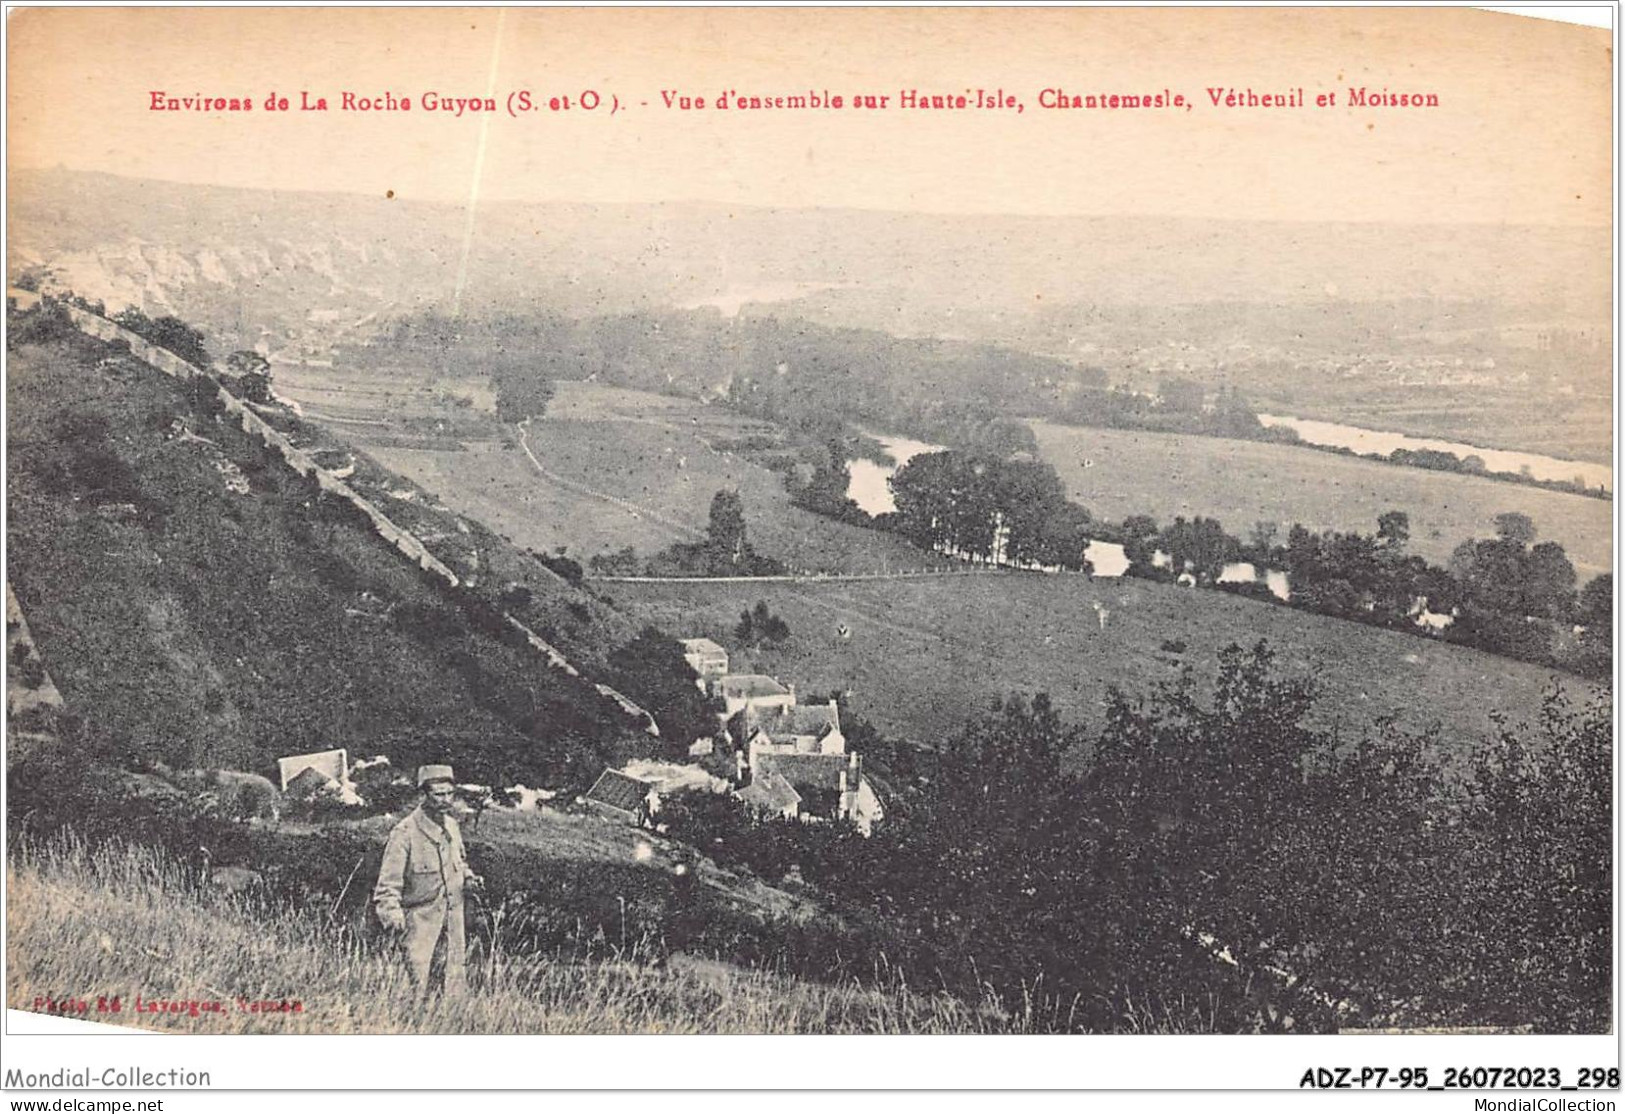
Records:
x=868, y=488
x=1495, y=460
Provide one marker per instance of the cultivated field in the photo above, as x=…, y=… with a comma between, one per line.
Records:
x=922, y=656
x=354, y=397
x=614, y=468
x=1116, y=473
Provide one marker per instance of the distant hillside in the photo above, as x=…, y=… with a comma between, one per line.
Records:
x=201, y=604
x=253, y=258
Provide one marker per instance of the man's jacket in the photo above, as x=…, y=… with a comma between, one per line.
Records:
x=423, y=863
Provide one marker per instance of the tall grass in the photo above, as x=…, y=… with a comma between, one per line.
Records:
x=90, y=923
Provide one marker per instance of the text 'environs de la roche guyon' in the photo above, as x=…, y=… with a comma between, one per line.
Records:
x=523, y=102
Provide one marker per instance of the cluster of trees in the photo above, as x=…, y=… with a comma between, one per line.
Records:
x=758, y=625
x=167, y=332
x=1390, y=892
x=1180, y=406
x=1508, y=594
x=724, y=551
x=988, y=509
x=1440, y=460
x=807, y=377
x=824, y=490
x=251, y=373
x=651, y=667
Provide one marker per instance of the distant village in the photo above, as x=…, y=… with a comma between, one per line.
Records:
x=778, y=757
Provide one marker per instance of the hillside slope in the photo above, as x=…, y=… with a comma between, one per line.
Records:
x=123, y=921
x=202, y=604
x=918, y=658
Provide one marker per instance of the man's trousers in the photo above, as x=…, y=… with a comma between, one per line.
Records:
x=427, y=927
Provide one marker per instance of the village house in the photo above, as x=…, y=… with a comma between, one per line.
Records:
x=788, y=759
x=334, y=765
x=752, y=690
x=797, y=729
x=830, y=786
x=771, y=795
x=618, y=796
x=707, y=659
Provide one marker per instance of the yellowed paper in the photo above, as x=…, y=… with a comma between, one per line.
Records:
x=886, y=520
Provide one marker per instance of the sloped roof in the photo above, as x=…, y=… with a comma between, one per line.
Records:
x=816, y=720
x=311, y=782
x=617, y=790
x=770, y=792
x=806, y=771
x=750, y=686
x=701, y=646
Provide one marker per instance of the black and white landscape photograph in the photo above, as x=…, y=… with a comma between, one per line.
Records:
x=1111, y=543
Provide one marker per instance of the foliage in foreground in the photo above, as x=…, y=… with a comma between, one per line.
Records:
x=121, y=921
x=1216, y=852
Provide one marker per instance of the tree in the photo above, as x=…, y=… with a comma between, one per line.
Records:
x=1202, y=542
x=652, y=670
x=759, y=625
x=1595, y=612
x=1510, y=526
x=725, y=532
x=1548, y=582
x=253, y=372
x=180, y=338
x=1027, y=495
x=1393, y=530
x=1182, y=396
x=1263, y=538
x=521, y=393
x=1596, y=604
x=245, y=361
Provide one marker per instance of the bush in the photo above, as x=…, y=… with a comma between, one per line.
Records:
x=759, y=625
x=570, y=570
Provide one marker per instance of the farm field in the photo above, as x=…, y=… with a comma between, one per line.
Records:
x=1116, y=473
x=922, y=656
x=615, y=468
x=372, y=398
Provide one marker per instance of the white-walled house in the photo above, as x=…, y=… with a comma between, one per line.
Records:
x=830, y=787
x=740, y=691
x=706, y=658
x=799, y=729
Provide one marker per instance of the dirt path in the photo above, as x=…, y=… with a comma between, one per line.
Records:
x=644, y=513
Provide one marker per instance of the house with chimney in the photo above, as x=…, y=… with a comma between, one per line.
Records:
x=798, y=751
x=792, y=729
x=830, y=786
x=786, y=758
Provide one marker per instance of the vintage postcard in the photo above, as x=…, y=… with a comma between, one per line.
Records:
x=770, y=523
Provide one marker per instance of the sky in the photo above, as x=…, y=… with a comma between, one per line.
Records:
x=1522, y=133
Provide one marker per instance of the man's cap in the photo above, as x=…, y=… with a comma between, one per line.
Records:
x=426, y=774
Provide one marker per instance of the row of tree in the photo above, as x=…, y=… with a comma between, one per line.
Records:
x=1509, y=594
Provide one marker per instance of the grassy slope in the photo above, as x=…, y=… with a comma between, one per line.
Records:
x=645, y=450
x=925, y=655
x=128, y=922
x=1243, y=482
x=226, y=632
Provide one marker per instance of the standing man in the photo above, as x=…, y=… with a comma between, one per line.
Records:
x=419, y=895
